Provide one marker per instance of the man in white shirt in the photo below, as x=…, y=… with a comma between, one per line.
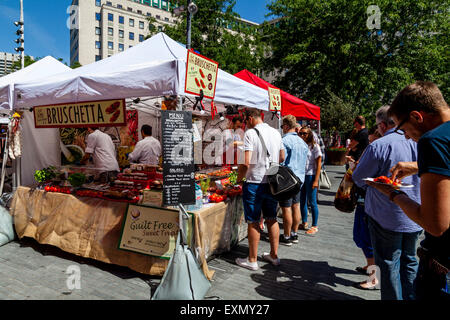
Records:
x=148, y=150
x=101, y=147
x=256, y=192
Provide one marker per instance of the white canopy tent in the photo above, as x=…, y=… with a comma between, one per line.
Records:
x=42, y=68
x=36, y=154
x=155, y=67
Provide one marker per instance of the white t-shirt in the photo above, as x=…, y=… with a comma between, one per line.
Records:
x=146, y=151
x=259, y=162
x=102, y=148
x=313, y=154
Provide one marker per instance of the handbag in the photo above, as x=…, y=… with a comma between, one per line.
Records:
x=283, y=183
x=184, y=278
x=346, y=196
x=324, y=181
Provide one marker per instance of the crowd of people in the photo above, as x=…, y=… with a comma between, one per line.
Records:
x=298, y=150
x=411, y=143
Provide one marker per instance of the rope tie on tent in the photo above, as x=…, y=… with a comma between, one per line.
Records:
x=198, y=100
x=275, y=113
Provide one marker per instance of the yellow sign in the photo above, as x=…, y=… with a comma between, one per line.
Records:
x=201, y=74
x=150, y=230
x=275, y=99
x=107, y=113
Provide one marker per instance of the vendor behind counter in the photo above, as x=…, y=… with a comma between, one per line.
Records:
x=101, y=147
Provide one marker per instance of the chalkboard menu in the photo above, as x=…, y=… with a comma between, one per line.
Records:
x=178, y=158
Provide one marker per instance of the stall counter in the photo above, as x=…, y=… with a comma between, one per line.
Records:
x=91, y=228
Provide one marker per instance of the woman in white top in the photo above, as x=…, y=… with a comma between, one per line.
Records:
x=311, y=184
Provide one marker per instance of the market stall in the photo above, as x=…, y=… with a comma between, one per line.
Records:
x=71, y=208
x=291, y=105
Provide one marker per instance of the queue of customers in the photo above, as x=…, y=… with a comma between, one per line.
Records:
x=296, y=149
x=412, y=143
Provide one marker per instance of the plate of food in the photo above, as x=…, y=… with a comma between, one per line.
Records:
x=388, y=181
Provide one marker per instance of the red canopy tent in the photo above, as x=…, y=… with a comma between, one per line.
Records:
x=289, y=104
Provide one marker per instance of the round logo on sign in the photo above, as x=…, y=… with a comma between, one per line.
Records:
x=210, y=87
x=210, y=77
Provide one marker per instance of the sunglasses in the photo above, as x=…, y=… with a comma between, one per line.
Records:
x=303, y=133
x=398, y=128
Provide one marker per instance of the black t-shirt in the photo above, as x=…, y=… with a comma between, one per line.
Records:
x=362, y=137
x=434, y=157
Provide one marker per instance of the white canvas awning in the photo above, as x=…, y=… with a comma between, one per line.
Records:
x=42, y=68
x=155, y=67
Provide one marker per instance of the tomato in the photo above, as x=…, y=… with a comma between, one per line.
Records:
x=47, y=188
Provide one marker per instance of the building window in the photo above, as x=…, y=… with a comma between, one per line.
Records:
x=131, y=35
x=130, y=9
x=98, y=3
x=166, y=19
x=121, y=19
x=121, y=47
x=98, y=16
x=149, y=14
x=139, y=11
x=160, y=28
x=158, y=17
x=110, y=45
x=141, y=37
x=98, y=30
x=110, y=17
x=121, y=33
x=119, y=6
x=98, y=45
x=131, y=22
x=141, y=24
x=108, y=3
x=110, y=31
x=98, y=58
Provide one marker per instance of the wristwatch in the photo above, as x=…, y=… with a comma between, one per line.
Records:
x=395, y=193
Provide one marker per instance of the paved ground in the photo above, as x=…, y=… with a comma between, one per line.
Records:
x=319, y=267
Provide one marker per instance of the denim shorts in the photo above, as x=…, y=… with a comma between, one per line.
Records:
x=257, y=198
x=291, y=201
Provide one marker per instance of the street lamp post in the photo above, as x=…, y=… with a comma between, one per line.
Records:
x=20, y=33
x=22, y=37
x=188, y=26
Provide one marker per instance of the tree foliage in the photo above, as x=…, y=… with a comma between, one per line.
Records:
x=327, y=46
x=17, y=65
x=234, y=51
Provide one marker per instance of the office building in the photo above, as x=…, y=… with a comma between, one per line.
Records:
x=6, y=62
x=109, y=27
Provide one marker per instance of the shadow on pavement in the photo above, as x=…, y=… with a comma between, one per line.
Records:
x=302, y=280
x=116, y=270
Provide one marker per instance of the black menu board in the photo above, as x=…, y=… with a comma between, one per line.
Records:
x=178, y=158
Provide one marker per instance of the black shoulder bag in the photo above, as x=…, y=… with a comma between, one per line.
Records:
x=283, y=183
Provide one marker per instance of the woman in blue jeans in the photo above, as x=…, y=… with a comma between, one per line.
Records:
x=309, y=189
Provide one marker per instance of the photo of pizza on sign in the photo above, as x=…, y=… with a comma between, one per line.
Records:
x=201, y=75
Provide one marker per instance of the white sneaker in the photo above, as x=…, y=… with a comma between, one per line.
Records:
x=266, y=256
x=243, y=262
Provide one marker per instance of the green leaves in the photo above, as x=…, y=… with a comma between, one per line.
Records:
x=234, y=50
x=329, y=53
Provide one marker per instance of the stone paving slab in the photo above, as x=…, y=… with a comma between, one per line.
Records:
x=319, y=267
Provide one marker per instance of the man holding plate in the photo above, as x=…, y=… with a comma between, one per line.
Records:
x=422, y=114
x=394, y=236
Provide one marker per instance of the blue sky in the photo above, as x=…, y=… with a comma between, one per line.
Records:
x=45, y=24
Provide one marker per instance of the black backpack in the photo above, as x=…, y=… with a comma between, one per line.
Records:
x=283, y=183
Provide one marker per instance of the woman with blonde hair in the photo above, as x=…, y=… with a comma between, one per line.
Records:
x=311, y=184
